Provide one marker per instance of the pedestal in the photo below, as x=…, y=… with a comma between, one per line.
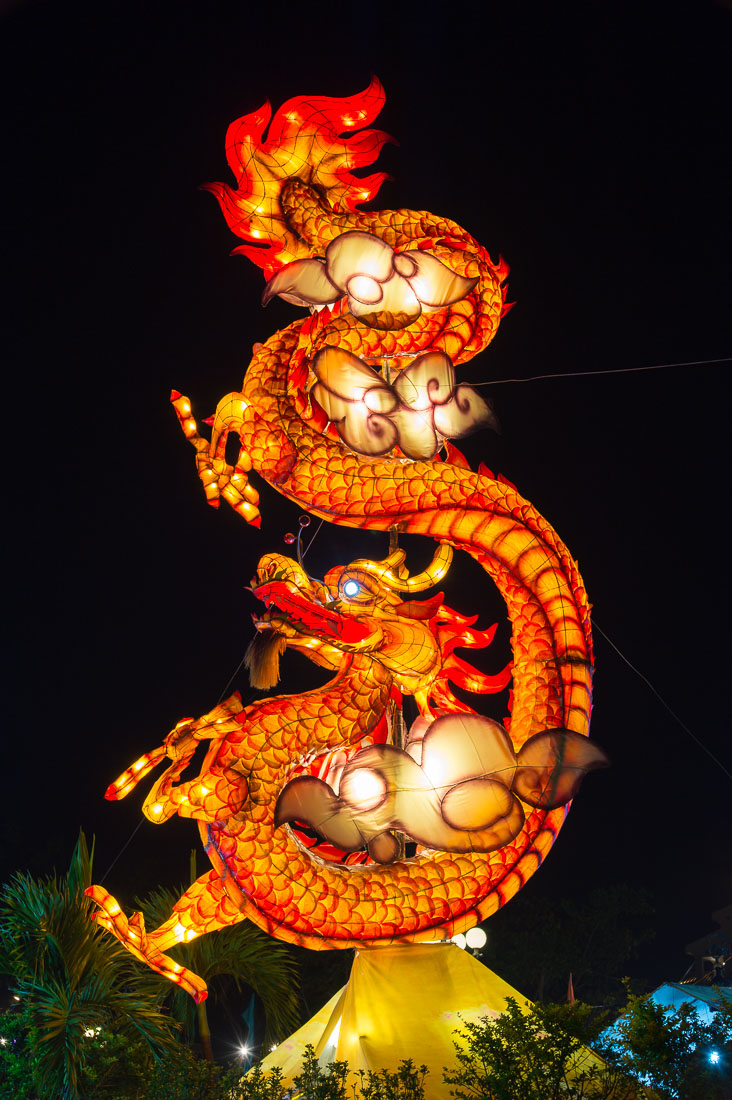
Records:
x=400, y=1002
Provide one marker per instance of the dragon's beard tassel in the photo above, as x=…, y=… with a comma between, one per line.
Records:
x=263, y=659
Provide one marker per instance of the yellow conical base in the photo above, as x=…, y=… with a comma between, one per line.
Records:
x=400, y=1002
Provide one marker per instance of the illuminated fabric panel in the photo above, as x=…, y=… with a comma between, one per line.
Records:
x=324, y=823
x=375, y=1022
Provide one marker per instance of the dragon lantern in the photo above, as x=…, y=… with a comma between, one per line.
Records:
x=322, y=825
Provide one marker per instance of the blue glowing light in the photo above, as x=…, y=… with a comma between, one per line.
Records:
x=714, y=1057
x=351, y=588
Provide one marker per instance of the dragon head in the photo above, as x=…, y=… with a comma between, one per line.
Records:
x=357, y=609
x=366, y=609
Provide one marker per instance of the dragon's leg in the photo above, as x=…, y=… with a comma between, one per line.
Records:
x=165, y=799
x=204, y=907
x=213, y=796
x=219, y=479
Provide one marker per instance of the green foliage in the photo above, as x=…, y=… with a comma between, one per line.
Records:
x=669, y=1049
x=17, y=1057
x=240, y=956
x=542, y=1054
x=332, y=1082
x=70, y=976
x=315, y=1083
x=184, y=1077
x=538, y=1054
x=117, y=1066
x=258, y=1085
x=536, y=942
x=121, y=1067
x=92, y=1023
x=406, y=1084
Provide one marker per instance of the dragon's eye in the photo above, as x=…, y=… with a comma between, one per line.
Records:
x=351, y=589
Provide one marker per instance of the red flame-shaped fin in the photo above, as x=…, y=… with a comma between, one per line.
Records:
x=318, y=139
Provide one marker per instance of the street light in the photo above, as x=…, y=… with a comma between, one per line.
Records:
x=476, y=938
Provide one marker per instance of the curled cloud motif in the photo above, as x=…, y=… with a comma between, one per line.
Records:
x=385, y=289
x=459, y=788
x=423, y=406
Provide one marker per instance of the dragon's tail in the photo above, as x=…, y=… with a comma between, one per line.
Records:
x=318, y=139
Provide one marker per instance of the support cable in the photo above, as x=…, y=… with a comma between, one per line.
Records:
x=674, y=715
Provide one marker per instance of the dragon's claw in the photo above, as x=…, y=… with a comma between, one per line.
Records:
x=218, y=477
x=132, y=935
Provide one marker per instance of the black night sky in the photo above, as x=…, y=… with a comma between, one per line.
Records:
x=589, y=145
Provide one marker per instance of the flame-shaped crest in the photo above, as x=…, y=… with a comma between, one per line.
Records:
x=318, y=139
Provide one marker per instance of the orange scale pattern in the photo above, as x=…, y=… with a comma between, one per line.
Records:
x=296, y=194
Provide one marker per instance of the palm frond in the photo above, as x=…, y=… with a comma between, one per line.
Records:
x=241, y=952
x=71, y=974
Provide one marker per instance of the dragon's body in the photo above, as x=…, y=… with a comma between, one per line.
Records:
x=290, y=210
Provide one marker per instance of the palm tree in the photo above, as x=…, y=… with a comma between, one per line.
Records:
x=70, y=975
x=240, y=956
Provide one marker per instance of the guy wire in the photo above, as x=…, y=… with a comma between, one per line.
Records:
x=647, y=682
x=586, y=373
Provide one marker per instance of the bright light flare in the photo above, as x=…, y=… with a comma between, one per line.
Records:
x=363, y=788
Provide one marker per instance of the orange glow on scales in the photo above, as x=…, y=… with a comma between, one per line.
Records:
x=302, y=801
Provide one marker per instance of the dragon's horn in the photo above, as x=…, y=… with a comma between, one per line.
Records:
x=393, y=574
x=394, y=563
